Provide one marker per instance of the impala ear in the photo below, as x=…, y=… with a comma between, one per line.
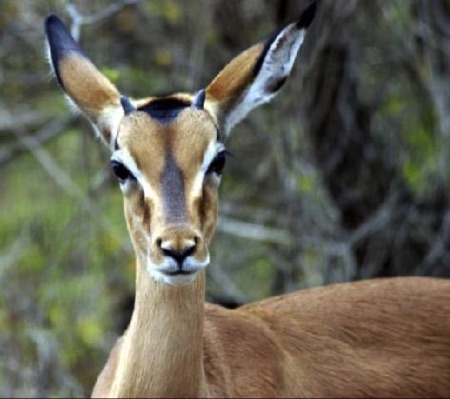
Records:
x=255, y=76
x=83, y=83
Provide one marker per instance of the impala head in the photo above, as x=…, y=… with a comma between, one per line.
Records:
x=168, y=152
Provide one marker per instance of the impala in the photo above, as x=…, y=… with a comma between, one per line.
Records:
x=386, y=337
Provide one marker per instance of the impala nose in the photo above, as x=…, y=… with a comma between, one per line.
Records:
x=178, y=243
x=178, y=254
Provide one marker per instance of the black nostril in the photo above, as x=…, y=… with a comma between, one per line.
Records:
x=190, y=250
x=179, y=256
x=168, y=252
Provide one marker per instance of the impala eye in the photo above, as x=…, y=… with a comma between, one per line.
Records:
x=217, y=164
x=121, y=171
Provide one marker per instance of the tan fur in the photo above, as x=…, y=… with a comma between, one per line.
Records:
x=92, y=92
x=166, y=320
x=232, y=81
x=379, y=338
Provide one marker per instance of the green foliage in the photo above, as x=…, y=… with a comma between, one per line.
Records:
x=256, y=279
x=306, y=183
x=170, y=11
x=419, y=153
x=421, y=158
x=113, y=74
x=63, y=247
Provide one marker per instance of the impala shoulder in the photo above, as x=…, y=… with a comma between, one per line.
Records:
x=248, y=348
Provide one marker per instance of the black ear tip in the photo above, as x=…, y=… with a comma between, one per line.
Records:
x=59, y=39
x=51, y=18
x=307, y=16
x=51, y=22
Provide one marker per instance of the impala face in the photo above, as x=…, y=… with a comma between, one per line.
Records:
x=168, y=153
x=169, y=169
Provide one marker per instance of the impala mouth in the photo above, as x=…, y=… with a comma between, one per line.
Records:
x=173, y=277
x=169, y=272
x=178, y=272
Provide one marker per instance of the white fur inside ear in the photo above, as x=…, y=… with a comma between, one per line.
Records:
x=107, y=124
x=48, y=56
x=109, y=121
x=275, y=68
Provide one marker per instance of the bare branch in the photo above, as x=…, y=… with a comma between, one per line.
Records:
x=13, y=254
x=44, y=134
x=63, y=180
x=229, y=287
x=253, y=231
x=79, y=20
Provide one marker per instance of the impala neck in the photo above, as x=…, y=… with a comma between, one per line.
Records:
x=162, y=352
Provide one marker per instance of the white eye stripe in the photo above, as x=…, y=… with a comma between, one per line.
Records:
x=124, y=157
x=211, y=152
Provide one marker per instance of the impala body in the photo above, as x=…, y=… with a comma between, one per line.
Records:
x=375, y=338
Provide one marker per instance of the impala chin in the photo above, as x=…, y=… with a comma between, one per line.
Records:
x=169, y=272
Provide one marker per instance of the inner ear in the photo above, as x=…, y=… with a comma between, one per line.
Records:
x=255, y=76
x=84, y=84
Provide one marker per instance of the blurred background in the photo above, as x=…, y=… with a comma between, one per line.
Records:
x=344, y=176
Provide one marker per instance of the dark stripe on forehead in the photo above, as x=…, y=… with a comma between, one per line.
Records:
x=164, y=110
x=172, y=184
